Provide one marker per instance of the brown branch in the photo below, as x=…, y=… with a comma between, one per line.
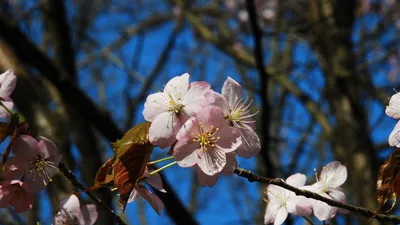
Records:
x=71, y=177
x=252, y=177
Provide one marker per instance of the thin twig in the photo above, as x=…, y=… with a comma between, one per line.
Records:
x=252, y=177
x=71, y=177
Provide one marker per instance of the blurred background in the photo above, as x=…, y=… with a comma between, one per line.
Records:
x=328, y=67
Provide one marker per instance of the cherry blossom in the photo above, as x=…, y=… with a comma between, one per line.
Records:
x=237, y=112
x=140, y=190
x=8, y=82
x=393, y=109
x=205, y=139
x=72, y=213
x=332, y=176
x=13, y=192
x=231, y=164
x=169, y=109
x=394, y=137
x=37, y=160
x=281, y=201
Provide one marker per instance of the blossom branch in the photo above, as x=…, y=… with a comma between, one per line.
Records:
x=71, y=177
x=252, y=177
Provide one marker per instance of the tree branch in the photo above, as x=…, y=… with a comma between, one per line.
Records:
x=252, y=177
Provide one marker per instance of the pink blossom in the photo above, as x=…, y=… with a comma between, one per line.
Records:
x=281, y=201
x=332, y=176
x=393, y=109
x=37, y=159
x=169, y=109
x=13, y=192
x=231, y=164
x=205, y=139
x=8, y=82
x=394, y=137
x=72, y=213
x=140, y=190
x=238, y=114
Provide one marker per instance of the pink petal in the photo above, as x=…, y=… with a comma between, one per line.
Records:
x=189, y=160
x=155, y=105
x=212, y=161
x=154, y=201
x=337, y=194
x=163, y=129
x=60, y=219
x=334, y=173
x=177, y=86
x=195, y=95
x=216, y=99
x=45, y=147
x=7, y=103
x=393, y=110
x=232, y=91
x=281, y=216
x=185, y=148
x=300, y=205
x=191, y=126
x=297, y=180
x=271, y=212
x=206, y=180
x=394, y=137
x=8, y=83
x=89, y=214
x=24, y=146
x=22, y=203
x=251, y=144
x=323, y=211
x=14, y=168
x=156, y=182
x=211, y=116
x=230, y=139
x=132, y=197
x=231, y=164
x=70, y=204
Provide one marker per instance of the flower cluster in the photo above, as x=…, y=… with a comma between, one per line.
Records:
x=206, y=129
x=282, y=201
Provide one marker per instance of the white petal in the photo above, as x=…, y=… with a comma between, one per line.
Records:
x=281, y=216
x=251, y=144
x=394, y=137
x=323, y=211
x=334, y=174
x=393, y=110
x=194, y=97
x=155, y=104
x=232, y=91
x=163, y=129
x=177, y=86
x=297, y=180
x=271, y=211
x=212, y=161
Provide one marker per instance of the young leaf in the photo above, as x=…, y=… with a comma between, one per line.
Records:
x=104, y=176
x=388, y=182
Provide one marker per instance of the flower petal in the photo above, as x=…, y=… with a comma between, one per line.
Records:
x=337, y=194
x=70, y=205
x=195, y=95
x=206, y=180
x=89, y=214
x=281, y=216
x=229, y=139
x=9, y=81
x=231, y=164
x=163, y=129
x=9, y=104
x=394, y=137
x=271, y=212
x=211, y=116
x=297, y=180
x=154, y=201
x=212, y=161
x=186, y=148
x=216, y=99
x=155, y=104
x=132, y=197
x=24, y=146
x=323, y=211
x=177, y=86
x=251, y=144
x=334, y=174
x=15, y=166
x=232, y=91
x=191, y=126
x=45, y=147
x=393, y=110
x=299, y=205
x=156, y=182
